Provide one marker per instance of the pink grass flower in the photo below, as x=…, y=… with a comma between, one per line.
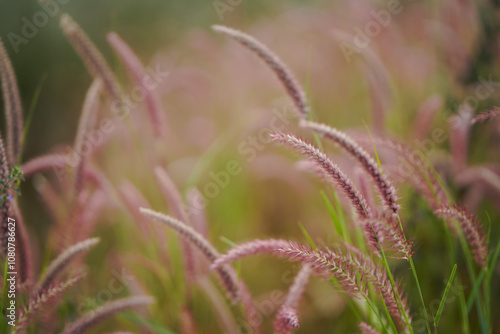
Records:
x=287, y=317
x=250, y=248
x=367, y=329
x=333, y=171
x=226, y=275
x=286, y=77
x=13, y=107
x=384, y=186
x=474, y=235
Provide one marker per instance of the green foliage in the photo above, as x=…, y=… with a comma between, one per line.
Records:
x=12, y=182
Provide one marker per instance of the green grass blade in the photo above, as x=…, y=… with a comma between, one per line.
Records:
x=445, y=295
x=494, y=259
x=374, y=147
x=335, y=219
x=31, y=112
x=474, y=292
x=464, y=313
x=228, y=242
x=489, y=229
x=308, y=237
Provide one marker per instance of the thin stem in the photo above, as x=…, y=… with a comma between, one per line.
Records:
x=414, y=272
x=412, y=266
x=375, y=311
x=394, y=289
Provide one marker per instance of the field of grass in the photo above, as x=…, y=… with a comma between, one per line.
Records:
x=237, y=167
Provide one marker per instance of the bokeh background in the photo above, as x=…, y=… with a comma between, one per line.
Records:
x=218, y=96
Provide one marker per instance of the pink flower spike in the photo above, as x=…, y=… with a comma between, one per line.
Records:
x=329, y=168
x=286, y=320
x=295, y=91
x=250, y=248
x=226, y=274
x=13, y=107
x=487, y=115
x=476, y=239
x=384, y=186
x=367, y=329
x=287, y=317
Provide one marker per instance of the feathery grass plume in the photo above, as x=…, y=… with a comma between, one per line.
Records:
x=58, y=265
x=295, y=91
x=91, y=56
x=332, y=170
x=13, y=107
x=139, y=74
x=5, y=206
x=87, y=122
x=37, y=302
x=363, y=185
x=353, y=270
x=387, y=231
x=485, y=116
x=425, y=115
x=106, y=311
x=367, y=329
x=44, y=162
x=327, y=263
x=286, y=320
x=384, y=186
x=175, y=203
x=226, y=275
x=287, y=317
x=421, y=175
x=475, y=236
x=249, y=248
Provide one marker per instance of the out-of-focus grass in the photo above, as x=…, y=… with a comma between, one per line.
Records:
x=251, y=205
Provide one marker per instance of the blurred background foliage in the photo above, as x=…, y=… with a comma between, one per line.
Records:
x=177, y=34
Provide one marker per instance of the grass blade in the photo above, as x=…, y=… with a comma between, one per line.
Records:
x=445, y=295
x=308, y=237
x=333, y=215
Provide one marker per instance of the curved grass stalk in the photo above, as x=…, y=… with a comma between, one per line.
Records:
x=415, y=276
